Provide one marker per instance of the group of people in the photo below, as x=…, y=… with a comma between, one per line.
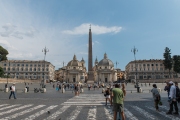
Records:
x=115, y=95
x=173, y=98
x=76, y=88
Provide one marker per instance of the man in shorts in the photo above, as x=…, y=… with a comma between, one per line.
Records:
x=118, y=96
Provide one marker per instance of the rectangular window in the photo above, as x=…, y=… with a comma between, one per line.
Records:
x=22, y=65
x=4, y=64
x=17, y=64
x=144, y=64
x=156, y=64
x=26, y=65
x=152, y=64
x=147, y=64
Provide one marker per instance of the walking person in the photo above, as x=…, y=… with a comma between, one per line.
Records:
x=13, y=89
x=177, y=92
x=123, y=89
x=77, y=90
x=172, y=99
x=118, y=97
x=156, y=96
x=107, y=95
x=167, y=88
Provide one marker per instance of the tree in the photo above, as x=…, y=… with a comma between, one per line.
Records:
x=176, y=64
x=1, y=72
x=167, y=60
x=3, y=53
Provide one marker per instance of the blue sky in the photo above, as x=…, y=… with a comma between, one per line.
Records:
x=27, y=26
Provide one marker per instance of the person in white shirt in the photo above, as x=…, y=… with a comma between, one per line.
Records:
x=172, y=99
x=13, y=89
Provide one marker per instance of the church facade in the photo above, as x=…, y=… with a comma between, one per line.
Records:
x=104, y=71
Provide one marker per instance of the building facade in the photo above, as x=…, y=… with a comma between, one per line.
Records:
x=74, y=72
x=147, y=69
x=104, y=71
x=26, y=69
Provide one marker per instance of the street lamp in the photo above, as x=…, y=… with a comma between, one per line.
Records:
x=97, y=73
x=135, y=50
x=8, y=72
x=63, y=72
x=45, y=50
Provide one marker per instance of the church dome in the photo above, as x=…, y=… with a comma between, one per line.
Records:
x=106, y=62
x=74, y=62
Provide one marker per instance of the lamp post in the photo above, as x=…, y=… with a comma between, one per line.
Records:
x=45, y=50
x=63, y=72
x=97, y=73
x=135, y=50
x=116, y=64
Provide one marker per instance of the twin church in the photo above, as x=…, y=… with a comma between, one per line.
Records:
x=75, y=71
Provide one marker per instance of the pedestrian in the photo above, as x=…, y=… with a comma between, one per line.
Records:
x=172, y=99
x=13, y=89
x=89, y=86
x=149, y=84
x=107, y=95
x=63, y=90
x=156, y=96
x=177, y=92
x=118, y=97
x=123, y=89
x=167, y=88
x=77, y=89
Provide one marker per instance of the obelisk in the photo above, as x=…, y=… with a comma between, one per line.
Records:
x=90, y=57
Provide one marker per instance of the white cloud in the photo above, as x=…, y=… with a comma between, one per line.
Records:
x=20, y=33
x=96, y=29
x=97, y=42
x=7, y=45
x=83, y=53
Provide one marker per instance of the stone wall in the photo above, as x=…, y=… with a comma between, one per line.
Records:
x=11, y=80
x=160, y=80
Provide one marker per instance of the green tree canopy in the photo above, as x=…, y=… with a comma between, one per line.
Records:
x=1, y=72
x=167, y=59
x=176, y=63
x=3, y=53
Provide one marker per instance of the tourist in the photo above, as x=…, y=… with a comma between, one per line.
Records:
x=177, y=92
x=123, y=89
x=89, y=86
x=77, y=90
x=167, y=88
x=156, y=96
x=107, y=95
x=172, y=99
x=118, y=97
x=13, y=89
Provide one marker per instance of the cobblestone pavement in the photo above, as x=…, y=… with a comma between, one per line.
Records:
x=88, y=106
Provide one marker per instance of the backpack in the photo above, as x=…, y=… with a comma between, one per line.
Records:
x=10, y=88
